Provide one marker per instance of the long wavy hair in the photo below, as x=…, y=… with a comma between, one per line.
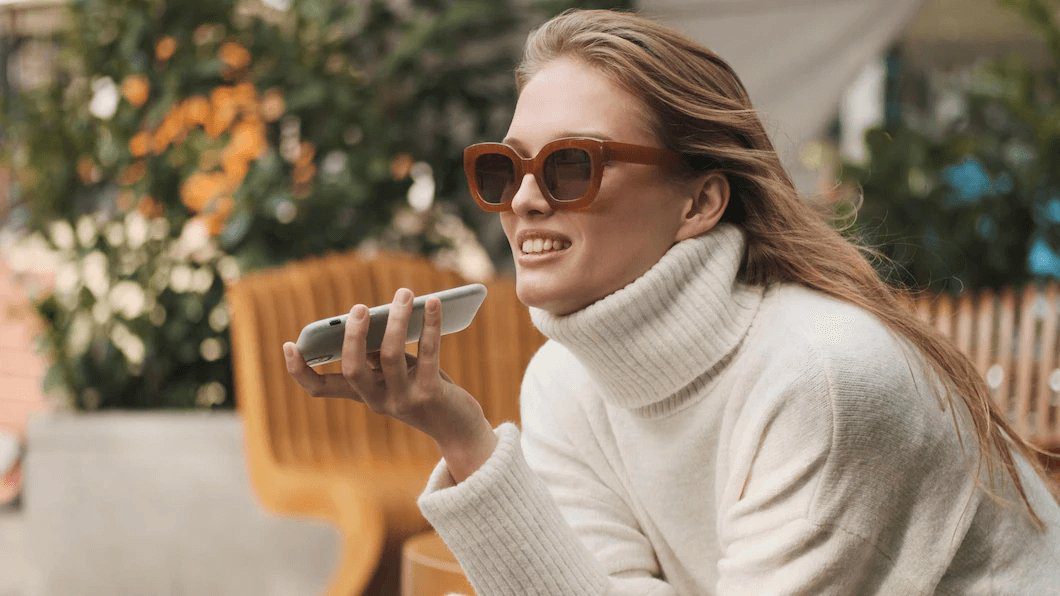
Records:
x=697, y=106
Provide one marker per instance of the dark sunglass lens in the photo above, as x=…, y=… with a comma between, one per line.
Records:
x=568, y=173
x=495, y=176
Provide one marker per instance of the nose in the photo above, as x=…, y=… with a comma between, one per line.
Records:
x=528, y=198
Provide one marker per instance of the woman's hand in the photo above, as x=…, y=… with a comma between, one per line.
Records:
x=410, y=388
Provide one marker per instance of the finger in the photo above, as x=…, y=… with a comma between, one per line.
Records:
x=354, y=369
x=373, y=362
x=315, y=384
x=430, y=341
x=392, y=352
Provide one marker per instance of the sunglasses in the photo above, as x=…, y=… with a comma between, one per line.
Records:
x=568, y=170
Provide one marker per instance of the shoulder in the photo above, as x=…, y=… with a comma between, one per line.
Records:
x=830, y=367
x=844, y=343
x=841, y=400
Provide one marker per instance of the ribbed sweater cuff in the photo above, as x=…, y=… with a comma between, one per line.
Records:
x=505, y=530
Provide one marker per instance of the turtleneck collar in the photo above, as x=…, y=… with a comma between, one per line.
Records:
x=653, y=344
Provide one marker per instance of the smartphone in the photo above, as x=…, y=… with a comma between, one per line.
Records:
x=320, y=342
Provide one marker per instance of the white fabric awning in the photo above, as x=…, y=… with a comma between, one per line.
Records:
x=795, y=57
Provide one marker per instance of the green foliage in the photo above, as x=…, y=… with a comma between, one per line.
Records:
x=182, y=143
x=961, y=203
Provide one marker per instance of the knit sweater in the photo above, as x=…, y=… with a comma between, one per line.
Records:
x=691, y=434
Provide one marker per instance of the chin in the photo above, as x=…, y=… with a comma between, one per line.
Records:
x=535, y=294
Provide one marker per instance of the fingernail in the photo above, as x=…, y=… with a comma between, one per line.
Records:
x=358, y=312
x=286, y=350
x=404, y=296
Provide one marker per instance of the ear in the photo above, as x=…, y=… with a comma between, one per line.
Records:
x=704, y=209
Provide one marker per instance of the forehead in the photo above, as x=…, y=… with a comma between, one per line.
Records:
x=569, y=95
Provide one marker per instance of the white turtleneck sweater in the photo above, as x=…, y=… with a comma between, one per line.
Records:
x=690, y=434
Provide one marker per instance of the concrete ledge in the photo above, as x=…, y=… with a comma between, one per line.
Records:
x=158, y=502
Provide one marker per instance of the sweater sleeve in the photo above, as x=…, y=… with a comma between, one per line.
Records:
x=550, y=527
x=849, y=480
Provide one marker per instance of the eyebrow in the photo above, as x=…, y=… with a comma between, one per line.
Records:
x=514, y=142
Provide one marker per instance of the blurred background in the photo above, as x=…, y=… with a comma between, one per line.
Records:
x=152, y=152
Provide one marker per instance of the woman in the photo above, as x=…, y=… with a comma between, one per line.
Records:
x=730, y=399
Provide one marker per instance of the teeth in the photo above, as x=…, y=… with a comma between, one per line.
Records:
x=541, y=245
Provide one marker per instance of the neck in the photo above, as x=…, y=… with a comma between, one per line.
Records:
x=653, y=344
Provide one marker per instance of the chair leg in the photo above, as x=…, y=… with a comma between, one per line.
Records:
x=363, y=534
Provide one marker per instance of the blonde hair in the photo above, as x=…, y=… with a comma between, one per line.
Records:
x=697, y=106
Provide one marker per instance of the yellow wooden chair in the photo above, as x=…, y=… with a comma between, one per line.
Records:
x=335, y=459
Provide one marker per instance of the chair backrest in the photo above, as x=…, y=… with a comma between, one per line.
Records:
x=487, y=359
x=1011, y=336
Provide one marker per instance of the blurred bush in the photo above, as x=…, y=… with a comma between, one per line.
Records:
x=179, y=144
x=974, y=200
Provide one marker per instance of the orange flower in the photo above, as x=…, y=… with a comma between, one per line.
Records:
x=272, y=105
x=248, y=139
x=235, y=168
x=196, y=110
x=303, y=173
x=125, y=200
x=171, y=129
x=135, y=89
x=165, y=47
x=234, y=55
x=140, y=144
x=87, y=170
x=132, y=173
x=200, y=188
x=400, y=166
x=149, y=207
x=224, y=111
x=245, y=94
x=306, y=151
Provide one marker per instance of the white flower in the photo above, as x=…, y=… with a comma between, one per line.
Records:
x=127, y=298
x=202, y=279
x=115, y=232
x=421, y=193
x=180, y=278
x=135, y=229
x=210, y=394
x=86, y=231
x=285, y=211
x=104, y=98
x=333, y=163
x=219, y=318
x=409, y=222
x=78, y=335
x=228, y=267
x=194, y=239
x=67, y=279
x=210, y=349
x=62, y=234
x=129, y=344
x=29, y=253
x=94, y=273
